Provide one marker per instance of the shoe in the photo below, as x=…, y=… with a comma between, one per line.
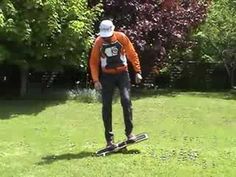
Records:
x=110, y=145
x=131, y=138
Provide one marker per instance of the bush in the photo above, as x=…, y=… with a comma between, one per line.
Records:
x=85, y=95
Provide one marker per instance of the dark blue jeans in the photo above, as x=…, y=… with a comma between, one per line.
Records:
x=109, y=83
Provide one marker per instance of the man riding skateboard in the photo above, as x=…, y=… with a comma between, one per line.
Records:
x=108, y=65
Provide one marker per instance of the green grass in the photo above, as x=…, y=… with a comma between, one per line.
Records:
x=191, y=134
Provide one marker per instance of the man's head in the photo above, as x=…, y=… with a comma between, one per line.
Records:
x=106, y=29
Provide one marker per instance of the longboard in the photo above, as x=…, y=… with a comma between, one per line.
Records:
x=121, y=145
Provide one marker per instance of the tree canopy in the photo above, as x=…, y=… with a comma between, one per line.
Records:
x=46, y=33
x=218, y=33
x=156, y=26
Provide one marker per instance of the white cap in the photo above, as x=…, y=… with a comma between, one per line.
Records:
x=106, y=28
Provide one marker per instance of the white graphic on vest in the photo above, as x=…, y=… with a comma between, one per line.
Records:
x=111, y=51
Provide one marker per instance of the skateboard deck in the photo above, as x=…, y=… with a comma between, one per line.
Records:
x=121, y=145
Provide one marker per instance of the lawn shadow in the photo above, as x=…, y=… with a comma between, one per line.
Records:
x=47, y=160
x=68, y=156
x=13, y=108
x=225, y=95
x=132, y=151
x=31, y=104
x=138, y=93
x=125, y=152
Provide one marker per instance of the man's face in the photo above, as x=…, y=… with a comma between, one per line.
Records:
x=107, y=39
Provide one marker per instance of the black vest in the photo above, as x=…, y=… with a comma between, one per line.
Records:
x=112, y=54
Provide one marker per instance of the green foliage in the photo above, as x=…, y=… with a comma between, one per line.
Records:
x=3, y=53
x=218, y=33
x=1, y=19
x=207, y=44
x=47, y=33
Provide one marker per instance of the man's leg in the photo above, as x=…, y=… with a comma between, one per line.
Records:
x=124, y=87
x=107, y=94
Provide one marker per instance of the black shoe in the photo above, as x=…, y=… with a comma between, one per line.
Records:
x=110, y=145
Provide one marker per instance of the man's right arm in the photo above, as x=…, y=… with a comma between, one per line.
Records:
x=94, y=62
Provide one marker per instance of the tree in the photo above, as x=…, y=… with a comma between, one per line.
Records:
x=216, y=38
x=156, y=27
x=46, y=34
x=218, y=32
x=229, y=59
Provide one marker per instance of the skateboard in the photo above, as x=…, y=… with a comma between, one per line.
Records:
x=122, y=145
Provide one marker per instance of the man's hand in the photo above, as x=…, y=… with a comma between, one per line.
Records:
x=138, y=78
x=97, y=85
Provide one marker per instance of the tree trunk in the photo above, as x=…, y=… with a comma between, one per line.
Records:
x=232, y=78
x=24, y=80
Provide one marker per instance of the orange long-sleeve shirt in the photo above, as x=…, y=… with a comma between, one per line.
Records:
x=106, y=55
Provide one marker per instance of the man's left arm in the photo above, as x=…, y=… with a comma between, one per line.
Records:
x=132, y=55
x=133, y=58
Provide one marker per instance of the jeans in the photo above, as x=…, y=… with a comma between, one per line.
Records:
x=109, y=83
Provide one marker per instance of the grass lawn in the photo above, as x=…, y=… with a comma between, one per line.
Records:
x=192, y=134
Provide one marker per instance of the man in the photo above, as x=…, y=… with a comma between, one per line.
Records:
x=108, y=65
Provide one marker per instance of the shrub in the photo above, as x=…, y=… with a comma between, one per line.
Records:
x=85, y=95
